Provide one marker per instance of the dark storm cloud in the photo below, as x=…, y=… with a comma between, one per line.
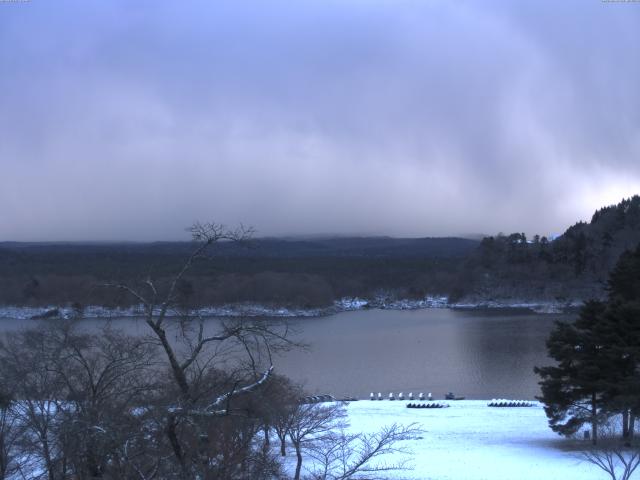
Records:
x=132, y=119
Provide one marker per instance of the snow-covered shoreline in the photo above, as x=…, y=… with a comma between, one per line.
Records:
x=257, y=310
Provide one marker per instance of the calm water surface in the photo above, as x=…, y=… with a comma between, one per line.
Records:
x=477, y=354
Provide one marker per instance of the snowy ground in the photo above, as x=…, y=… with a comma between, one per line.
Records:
x=472, y=441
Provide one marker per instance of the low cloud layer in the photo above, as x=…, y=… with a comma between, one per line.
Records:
x=130, y=120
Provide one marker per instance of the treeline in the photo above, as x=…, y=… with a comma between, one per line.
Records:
x=312, y=274
x=572, y=266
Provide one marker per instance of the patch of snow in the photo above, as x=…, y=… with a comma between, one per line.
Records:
x=549, y=307
x=471, y=441
x=348, y=304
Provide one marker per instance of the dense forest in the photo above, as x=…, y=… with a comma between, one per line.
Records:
x=574, y=266
x=302, y=273
x=314, y=272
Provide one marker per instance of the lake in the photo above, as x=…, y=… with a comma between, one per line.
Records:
x=477, y=354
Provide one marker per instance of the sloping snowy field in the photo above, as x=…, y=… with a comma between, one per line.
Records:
x=470, y=440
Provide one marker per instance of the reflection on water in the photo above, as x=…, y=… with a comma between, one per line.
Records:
x=478, y=354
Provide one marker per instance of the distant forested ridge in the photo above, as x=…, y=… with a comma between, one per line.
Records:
x=574, y=266
x=306, y=273
x=315, y=272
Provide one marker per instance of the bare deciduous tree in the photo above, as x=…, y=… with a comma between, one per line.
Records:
x=193, y=353
x=281, y=399
x=311, y=424
x=187, y=401
x=10, y=434
x=106, y=377
x=77, y=396
x=38, y=392
x=343, y=456
x=617, y=457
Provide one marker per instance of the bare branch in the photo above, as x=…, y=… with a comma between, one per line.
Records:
x=343, y=456
x=130, y=290
x=611, y=454
x=215, y=405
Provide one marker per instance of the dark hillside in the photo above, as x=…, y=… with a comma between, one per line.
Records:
x=574, y=266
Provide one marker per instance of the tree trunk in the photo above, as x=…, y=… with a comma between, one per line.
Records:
x=625, y=424
x=299, y=462
x=47, y=458
x=4, y=460
x=594, y=419
x=172, y=435
x=632, y=425
x=283, y=440
x=178, y=372
x=267, y=440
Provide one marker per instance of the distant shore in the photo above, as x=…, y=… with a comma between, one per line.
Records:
x=257, y=310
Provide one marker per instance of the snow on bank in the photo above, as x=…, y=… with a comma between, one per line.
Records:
x=536, y=307
x=239, y=310
x=348, y=304
x=257, y=310
x=230, y=310
x=471, y=441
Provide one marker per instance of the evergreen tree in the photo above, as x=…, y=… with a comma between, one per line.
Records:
x=598, y=358
x=621, y=344
x=624, y=279
x=622, y=338
x=574, y=390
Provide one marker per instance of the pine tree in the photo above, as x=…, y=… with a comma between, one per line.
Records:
x=624, y=279
x=598, y=358
x=574, y=391
x=622, y=338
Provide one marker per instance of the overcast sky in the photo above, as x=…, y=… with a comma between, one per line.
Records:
x=132, y=119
